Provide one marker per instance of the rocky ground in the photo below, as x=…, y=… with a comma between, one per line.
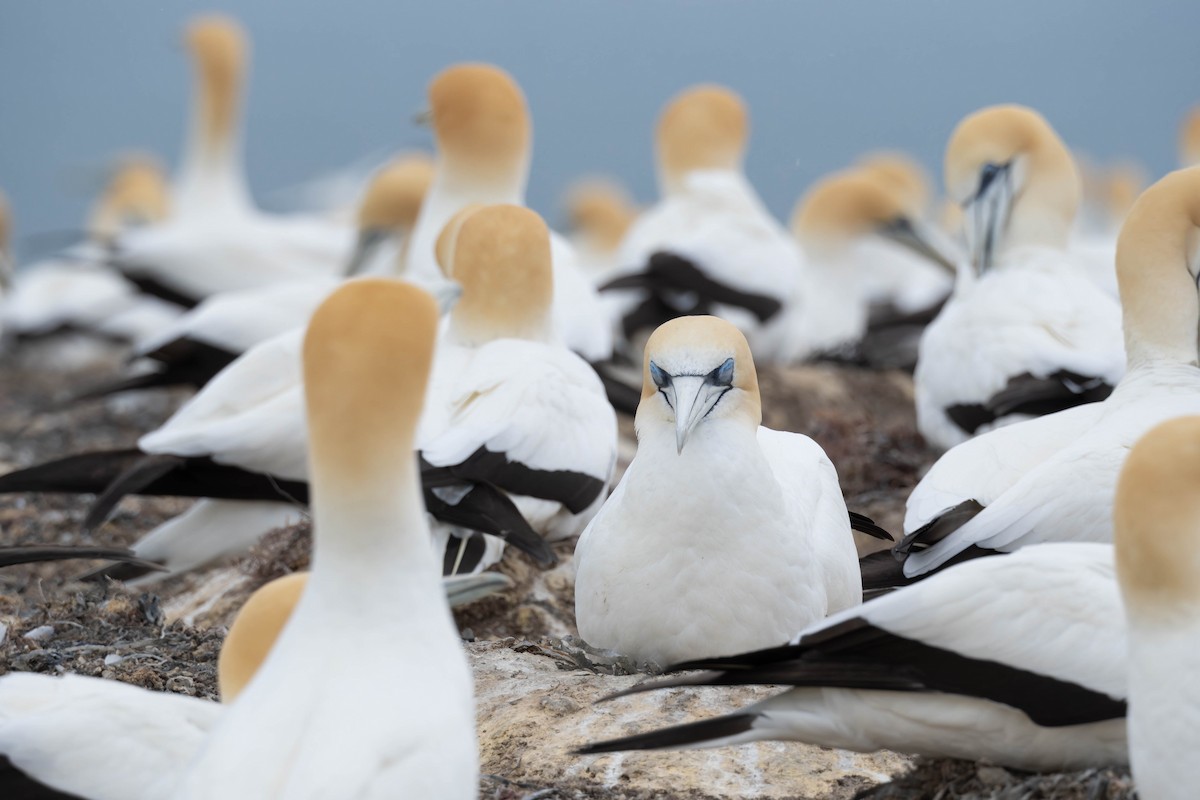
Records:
x=534, y=691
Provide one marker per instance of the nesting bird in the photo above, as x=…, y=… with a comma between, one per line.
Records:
x=1025, y=331
x=200, y=343
x=1017, y=660
x=722, y=535
x=855, y=228
x=1053, y=478
x=709, y=245
x=600, y=213
x=483, y=132
x=216, y=239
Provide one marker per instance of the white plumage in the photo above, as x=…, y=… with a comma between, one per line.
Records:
x=722, y=535
x=1018, y=660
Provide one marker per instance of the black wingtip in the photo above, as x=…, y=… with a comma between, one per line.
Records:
x=31, y=554
x=133, y=383
x=708, y=730
x=864, y=524
x=125, y=571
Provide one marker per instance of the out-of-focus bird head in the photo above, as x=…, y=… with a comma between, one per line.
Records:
x=846, y=207
x=219, y=49
x=390, y=204
x=1015, y=180
x=601, y=212
x=1189, y=139
x=500, y=256
x=137, y=194
x=697, y=370
x=480, y=121
x=703, y=128
x=902, y=172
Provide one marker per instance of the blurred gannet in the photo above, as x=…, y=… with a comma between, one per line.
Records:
x=1018, y=661
x=216, y=239
x=74, y=293
x=1052, y=478
x=66, y=733
x=204, y=340
x=709, y=245
x=484, y=138
x=508, y=406
x=851, y=226
x=1157, y=533
x=600, y=213
x=722, y=535
x=312, y=722
x=1025, y=332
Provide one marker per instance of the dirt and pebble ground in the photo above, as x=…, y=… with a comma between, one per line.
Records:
x=167, y=636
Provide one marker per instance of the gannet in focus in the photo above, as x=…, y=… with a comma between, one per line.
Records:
x=1052, y=478
x=312, y=722
x=508, y=405
x=484, y=139
x=204, y=340
x=722, y=535
x=1025, y=332
x=66, y=733
x=216, y=239
x=853, y=227
x=600, y=213
x=709, y=245
x=1157, y=534
x=1017, y=661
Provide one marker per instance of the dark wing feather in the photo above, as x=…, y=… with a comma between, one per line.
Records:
x=864, y=524
x=1032, y=395
x=182, y=362
x=31, y=554
x=677, y=736
x=16, y=785
x=938, y=528
x=488, y=510
x=575, y=490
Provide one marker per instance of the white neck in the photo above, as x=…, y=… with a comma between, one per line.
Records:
x=450, y=191
x=211, y=176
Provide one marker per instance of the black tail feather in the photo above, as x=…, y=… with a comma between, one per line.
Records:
x=30, y=554
x=488, y=510
x=864, y=524
x=136, y=477
x=677, y=736
x=882, y=570
x=89, y=473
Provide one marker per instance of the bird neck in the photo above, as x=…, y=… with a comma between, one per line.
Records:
x=212, y=176
x=1159, y=303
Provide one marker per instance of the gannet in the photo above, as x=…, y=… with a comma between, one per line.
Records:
x=1025, y=332
x=600, y=212
x=509, y=406
x=66, y=732
x=312, y=722
x=722, y=535
x=709, y=245
x=207, y=338
x=1018, y=660
x=853, y=227
x=1156, y=532
x=483, y=132
x=1052, y=478
x=73, y=293
x=215, y=238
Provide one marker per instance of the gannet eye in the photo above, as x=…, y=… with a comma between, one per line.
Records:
x=722, y=375
x=659, y=376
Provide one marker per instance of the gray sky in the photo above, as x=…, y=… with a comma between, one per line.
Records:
x=335, y=82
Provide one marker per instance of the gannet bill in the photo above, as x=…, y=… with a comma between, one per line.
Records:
x=1157, y=530
x=483, y=132
x=216, y=239
x=722, y=535
x=1052, y=478
x=204, y=340
x=312, y=723
x=1025, y=331
x=1018, y=660
x=709, y=245
x=509, y=406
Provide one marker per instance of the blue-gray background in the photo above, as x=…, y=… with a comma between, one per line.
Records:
x=333, y=82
